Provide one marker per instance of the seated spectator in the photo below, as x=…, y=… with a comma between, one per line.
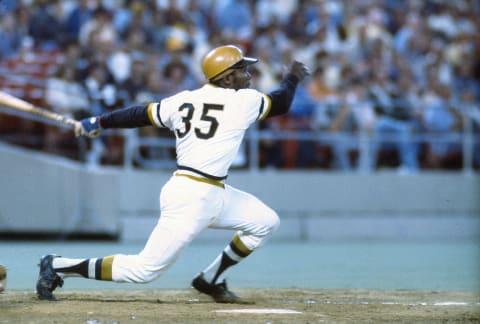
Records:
x=155, y=90
x=104, y=96
x=99, y=29
x=101, y=89
x=299, y=153
x=340, y=113
x=395, y=122
x=177, y=77
x=233, y=16
x=45, y=28
x=135, y=82
x=10, y=38
x=64, y=95
x=336, y=115
x=79, y=15
x=440, y=118
x=471, y=110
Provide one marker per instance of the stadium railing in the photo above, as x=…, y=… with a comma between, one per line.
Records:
x=134, y=143
x=254, y=137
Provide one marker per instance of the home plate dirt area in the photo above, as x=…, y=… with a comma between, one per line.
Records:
x=262, y=306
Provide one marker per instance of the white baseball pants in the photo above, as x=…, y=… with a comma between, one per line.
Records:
x=187, y=208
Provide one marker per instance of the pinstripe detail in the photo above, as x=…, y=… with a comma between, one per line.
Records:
x=266, y=109
x=238, y=247
x=91, y=268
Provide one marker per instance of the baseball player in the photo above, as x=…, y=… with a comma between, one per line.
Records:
x=209, y=124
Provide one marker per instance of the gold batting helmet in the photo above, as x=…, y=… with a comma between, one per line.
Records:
x=220, y=61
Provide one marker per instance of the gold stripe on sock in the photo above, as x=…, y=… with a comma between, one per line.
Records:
x=107, y=268
x=238, y=244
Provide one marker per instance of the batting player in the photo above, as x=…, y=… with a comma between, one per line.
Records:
x=209, y=124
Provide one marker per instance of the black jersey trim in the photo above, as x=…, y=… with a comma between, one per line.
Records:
x=203, y=174
x=158, y=115
x=262, y=106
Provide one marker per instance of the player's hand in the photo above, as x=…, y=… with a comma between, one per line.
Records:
x=89, y=127
x=299, y=70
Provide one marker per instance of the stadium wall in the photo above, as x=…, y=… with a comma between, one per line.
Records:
x=43, y=194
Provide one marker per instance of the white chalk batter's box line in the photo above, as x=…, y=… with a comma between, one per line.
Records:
x=292, y=311
x=447, y=303
x=258, y=311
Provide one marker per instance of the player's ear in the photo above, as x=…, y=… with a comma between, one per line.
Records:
x=228, y=81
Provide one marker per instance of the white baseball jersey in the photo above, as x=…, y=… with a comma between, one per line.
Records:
x=209, y=124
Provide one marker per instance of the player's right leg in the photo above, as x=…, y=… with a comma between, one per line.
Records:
x=182, y=218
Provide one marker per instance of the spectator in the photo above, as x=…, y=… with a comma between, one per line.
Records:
x=65, y=95
x=45, y=28
x=80, y=14
x=10, y=38
x=470, y=109
x=337, y=115
x=441, y=119
x=177, y=77
x=99, y=29
x=101, y=89
x=71, y=54
x=134, y=83
x=68, y=97
x=156, y=89
x=395, y=121
x=104, y=96
x=234, y=16
x=300, y=153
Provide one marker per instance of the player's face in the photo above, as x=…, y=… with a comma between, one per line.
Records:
x=241, y=78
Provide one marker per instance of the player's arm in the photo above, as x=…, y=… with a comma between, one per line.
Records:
x=131, y=117
x=282, y=98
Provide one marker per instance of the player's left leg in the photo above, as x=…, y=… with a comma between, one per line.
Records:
x=254, y=222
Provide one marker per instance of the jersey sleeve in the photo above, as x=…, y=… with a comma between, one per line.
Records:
x=265, y=106
x=154, y=114
x=258, y=104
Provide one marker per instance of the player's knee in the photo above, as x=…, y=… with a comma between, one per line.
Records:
x=269, y=223
x=274, y=221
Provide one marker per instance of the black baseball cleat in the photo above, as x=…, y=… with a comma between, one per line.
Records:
x=219, y=292
x=48, y=279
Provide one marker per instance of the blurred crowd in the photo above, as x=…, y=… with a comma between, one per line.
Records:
x=404, y=73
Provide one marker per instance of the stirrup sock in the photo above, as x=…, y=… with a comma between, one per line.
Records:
x=94, y=268
x=233, y=253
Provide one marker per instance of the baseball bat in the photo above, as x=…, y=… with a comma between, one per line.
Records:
x=16, y=103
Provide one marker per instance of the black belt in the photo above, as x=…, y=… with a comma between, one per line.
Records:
x=203, y=174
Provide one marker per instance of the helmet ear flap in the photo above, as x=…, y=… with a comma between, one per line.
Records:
x=221, y=60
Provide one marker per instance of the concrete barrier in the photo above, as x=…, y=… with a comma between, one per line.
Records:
x=43, y=194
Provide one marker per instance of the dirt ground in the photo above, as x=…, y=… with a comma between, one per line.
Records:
x=188, y=306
